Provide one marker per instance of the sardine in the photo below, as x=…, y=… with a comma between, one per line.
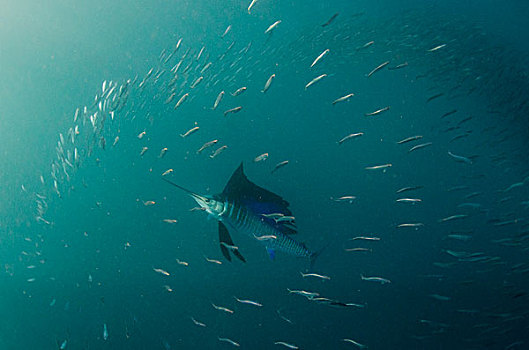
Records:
x=431, y=98
x=207, y=145
x=200, y=324
x=287, y=345
x=170, y=98
x=436, y=48
x=379, y=67
x=333, y=17
x=375, y=167
x=227, y=340
x=314, y=275
x=163, y=152
x=380, y=280
x=343, y=98
x=308, y=295
x=361, y=346
x=160, y=271
x=350, y=136
x=190, y=131
x=453, y=217
x=222, y=308
x=279, y=165
x=422, y=145
x=460, y=158
x=268, y=83
x=249, y=302
x=228, y=29
x=196, y=82
x=217, y=101
x=398, y=66
x=315, y=80
x=275, y=24
x=239, y=91
x=181, y=100
x=415, y=225
x=378, y=111
x=218, y=151
x=233, y=110
x=261, y=158
x=251, y=5
x=321, y=55
x=409, y=139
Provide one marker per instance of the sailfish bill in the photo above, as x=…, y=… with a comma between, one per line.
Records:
x=247, y=208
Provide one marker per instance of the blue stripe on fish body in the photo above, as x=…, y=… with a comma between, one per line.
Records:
x=227, y=203
x=245, y=221
x=238, y=213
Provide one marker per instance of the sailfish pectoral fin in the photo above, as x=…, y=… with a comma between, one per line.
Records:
x=239, y=255
x=225, y=252
x=225, y=242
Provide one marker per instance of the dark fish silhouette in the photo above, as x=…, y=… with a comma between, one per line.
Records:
x=246, y=208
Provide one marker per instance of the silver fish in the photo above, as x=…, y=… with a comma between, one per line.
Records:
x=275, y=24
x=319, y=57
x=217, y=101
x=181, y=100
x=233, y=110
x=239, y=91
x=218, y=151
x=226, y=31
x=251, y=5
x=343, y=98
x=378, y=68
x=190, y=131
x=268, y=83
x=207, y=145
x=315, y=80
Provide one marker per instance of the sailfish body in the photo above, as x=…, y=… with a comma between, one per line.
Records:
x=249, y=209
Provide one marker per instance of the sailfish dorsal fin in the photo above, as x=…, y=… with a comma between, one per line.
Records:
x=257, y=199
x=241, y=189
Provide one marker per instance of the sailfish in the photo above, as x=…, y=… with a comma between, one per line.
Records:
x=249, y=209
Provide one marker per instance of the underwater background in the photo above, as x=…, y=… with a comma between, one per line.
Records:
x=428, y=249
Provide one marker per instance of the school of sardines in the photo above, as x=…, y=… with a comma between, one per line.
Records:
x=188, y=73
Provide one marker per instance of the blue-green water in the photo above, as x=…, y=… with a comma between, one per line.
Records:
x=80, y=246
